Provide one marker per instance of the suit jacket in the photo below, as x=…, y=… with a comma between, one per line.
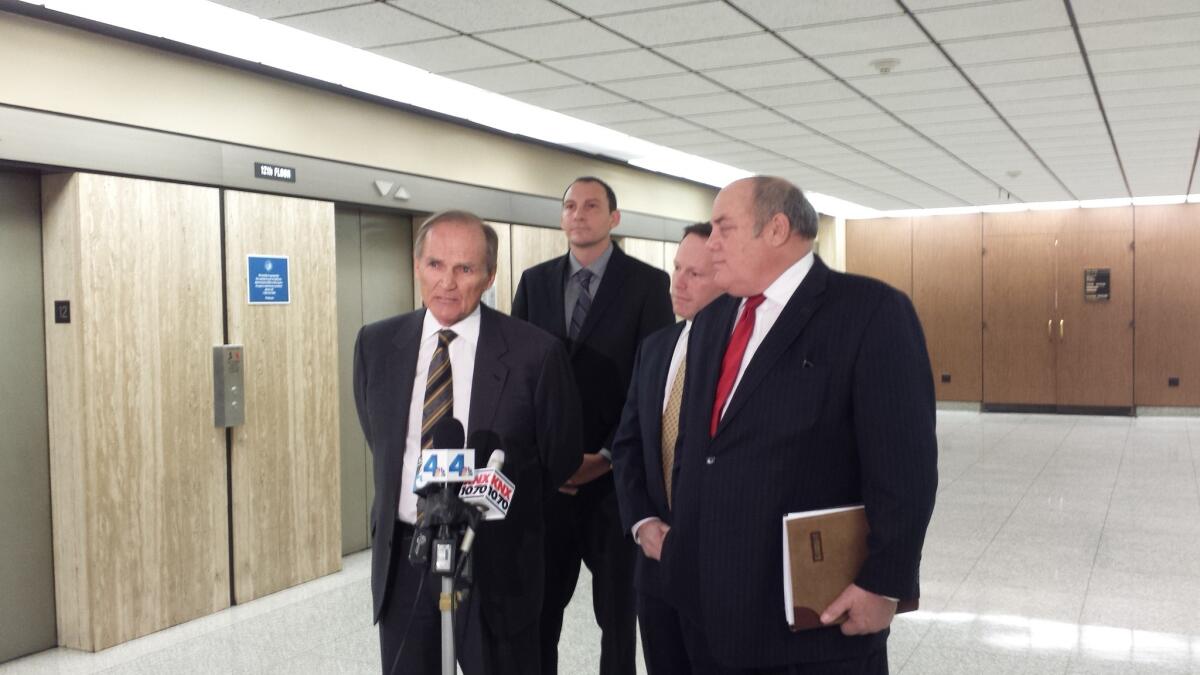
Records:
x=637, y=447
x=523, y=391
x=632, y=301
x=836, y=407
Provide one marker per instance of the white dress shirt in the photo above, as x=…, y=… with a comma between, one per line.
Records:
x=677, y=358
x=462, y=370
x=777, y=295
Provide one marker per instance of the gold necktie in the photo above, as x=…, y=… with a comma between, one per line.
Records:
x=670, y=425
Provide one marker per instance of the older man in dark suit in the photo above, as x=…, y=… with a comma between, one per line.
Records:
x=457, y=358
x=601, y=303
x=644, y=456
x=806, y=389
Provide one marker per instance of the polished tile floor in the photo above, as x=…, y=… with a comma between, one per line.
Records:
x=1060, y=544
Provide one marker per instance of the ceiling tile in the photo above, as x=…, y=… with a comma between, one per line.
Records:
x=664, y=86
x=1172, y=95
x=806, y=93
x=370, y=25
x=1151, y=58
x=789, y=73
x=471, y=16
x=735, y=51
x=1094, y=11
x=903, y=83
x=1137, y=34
x=972, y=128
x=603, y=7
x=1039, y=106
x=1079, y=119
x=618, y=112
x=833, y=125
x=703, y=149
x=741, y=159
x=448, y=54
x=665, y=125
x=705, y=103
x=1091, y=130
x=273, y=9
x=1027, y=70
x=827, y=109
x=563, y=39
x=976, y=111
x=562, y=98
x=741, y=118
x=1040, y=89
x=1055, y=42
x=681, y=24
x=520, y=77
x=867, y=35
x=767, y=134
x=1152, y=79
x=615, y=66
x=902, y=101
x=994, y=19
x=1160, y=111
x=853, y=137
x=777, y=15
x=686, y=138
x=911, y=59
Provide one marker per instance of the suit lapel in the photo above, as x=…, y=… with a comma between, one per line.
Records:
x=659, y=371
x=558, y=290
x=610, y=288
x=790, y=324
x=402, y=369
x=706, y=347
x=490, y=372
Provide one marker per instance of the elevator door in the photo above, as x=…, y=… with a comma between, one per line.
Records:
x=27, y=621
x=375, y=281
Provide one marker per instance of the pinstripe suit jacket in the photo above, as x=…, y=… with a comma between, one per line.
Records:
x=836, y=407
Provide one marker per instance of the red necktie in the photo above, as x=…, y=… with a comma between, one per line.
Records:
x=733, y=358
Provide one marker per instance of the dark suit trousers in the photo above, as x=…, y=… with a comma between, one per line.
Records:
x=479, y=650
x=703, y=663
x=588, y=529
x=662, y=637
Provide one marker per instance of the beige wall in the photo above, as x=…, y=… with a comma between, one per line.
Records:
x=49, y=67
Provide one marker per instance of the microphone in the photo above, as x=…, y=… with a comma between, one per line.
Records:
x=447, y=461
x=490, y=493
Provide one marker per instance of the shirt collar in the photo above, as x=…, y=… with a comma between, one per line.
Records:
x=598, y=265
x=466, y=329
x=781, y=290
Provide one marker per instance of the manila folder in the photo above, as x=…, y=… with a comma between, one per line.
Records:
x=823, y=552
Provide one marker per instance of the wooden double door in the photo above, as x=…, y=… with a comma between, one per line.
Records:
x=1047, y=342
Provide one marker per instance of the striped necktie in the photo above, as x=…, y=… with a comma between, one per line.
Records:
x=584, y=278
x=670, y=425
x=439, y=388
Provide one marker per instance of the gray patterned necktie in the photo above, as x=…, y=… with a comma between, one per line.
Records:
x=584, y=278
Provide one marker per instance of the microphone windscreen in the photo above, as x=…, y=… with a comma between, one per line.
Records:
x=448, y=434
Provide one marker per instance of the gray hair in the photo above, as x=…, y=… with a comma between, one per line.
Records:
x=466, y=218
x=776, y=195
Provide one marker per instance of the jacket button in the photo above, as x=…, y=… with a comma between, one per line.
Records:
x=710, y=461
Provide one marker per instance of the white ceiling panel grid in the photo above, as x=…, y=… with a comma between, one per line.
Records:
x=372, y=25
x=664, y=86
x=615, y=65
x=1052, y=42
x=705, y=103
x=779, y=15
x=789, y=73
x=573, y=38
x=566, y=98
x=471, y=16
x=909, y=59
x=735, y=51
x=1138, y=34
x=995, y=18
x=274, y=9
x=445, y=55
x=672, y=25
x=519, y=77
x=855, y=36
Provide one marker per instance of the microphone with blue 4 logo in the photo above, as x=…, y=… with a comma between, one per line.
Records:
x=441, y=469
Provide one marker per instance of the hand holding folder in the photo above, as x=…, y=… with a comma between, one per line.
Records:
x=823, y=552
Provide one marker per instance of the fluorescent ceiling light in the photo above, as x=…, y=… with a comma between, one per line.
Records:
x=1159, y=200
x=1105, y=203
x=1004, y=208
x=1194, y=199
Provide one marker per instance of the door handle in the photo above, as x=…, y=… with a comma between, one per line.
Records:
x=1060, y=329
x=1049, y=329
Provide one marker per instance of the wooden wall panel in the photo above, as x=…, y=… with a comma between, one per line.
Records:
x=138, y=468
x=1018, y=306
x=532, y=245
x=947, y=270
x=504, y=284
x=1168, y=305
x=1095, y=339
x=285, y=465
x=648, y=251
x=881, y=248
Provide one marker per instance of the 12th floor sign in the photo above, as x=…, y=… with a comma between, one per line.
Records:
x=267, y=279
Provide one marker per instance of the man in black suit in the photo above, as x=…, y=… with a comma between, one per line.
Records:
x=806, y=389
x=600, y=303
x=644, y=449
x=504, y=377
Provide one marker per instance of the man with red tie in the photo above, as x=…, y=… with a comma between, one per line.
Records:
x=807, y=389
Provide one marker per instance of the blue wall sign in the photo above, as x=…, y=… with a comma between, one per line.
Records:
x=267, y=279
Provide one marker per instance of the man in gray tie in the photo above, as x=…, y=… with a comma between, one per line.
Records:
x=600, y=302
x=644, y=449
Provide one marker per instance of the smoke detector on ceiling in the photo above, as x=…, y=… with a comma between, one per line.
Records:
x=1013, y=173
x=885, y=66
